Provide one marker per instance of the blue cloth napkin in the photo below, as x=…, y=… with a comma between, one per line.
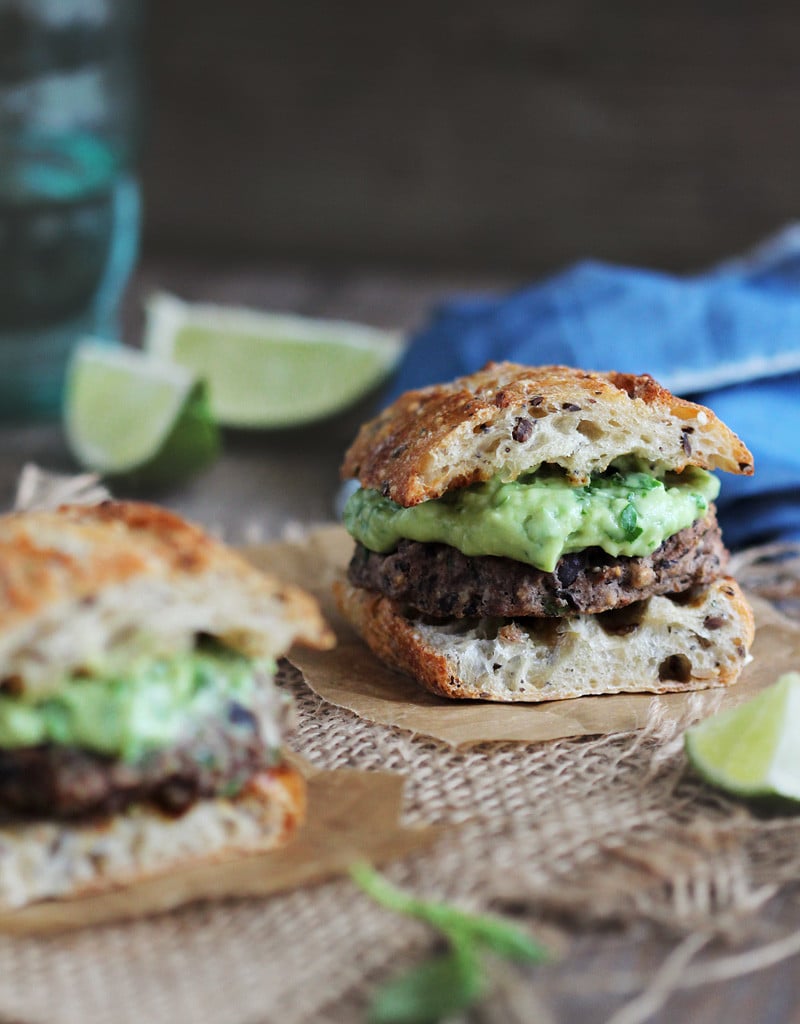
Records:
x=729, y=338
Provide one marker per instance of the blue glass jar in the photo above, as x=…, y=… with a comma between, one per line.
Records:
x=69, y=200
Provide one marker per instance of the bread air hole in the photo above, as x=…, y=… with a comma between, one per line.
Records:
x=676, y=668
x=694, y=597
x=590, y=429
x=622, y=621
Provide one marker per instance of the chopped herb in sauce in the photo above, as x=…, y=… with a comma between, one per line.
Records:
x=628, y=510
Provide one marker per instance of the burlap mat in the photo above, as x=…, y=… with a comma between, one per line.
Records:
x=580, y=832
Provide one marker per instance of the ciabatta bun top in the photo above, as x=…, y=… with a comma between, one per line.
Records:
x=95, y=586
x=508, y=419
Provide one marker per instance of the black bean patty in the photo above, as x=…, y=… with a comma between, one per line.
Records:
x=439, y=581
x=62, y=782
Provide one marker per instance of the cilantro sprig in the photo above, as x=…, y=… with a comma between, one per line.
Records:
x=450, y=982
x=629, y=522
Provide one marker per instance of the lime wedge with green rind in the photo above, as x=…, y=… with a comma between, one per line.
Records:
x=130, y=417
x=267, y=370
x=753, y=750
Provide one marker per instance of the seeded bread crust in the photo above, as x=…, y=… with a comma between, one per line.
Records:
x=45, y=860
x=508, y=419
x=661, y=645
x=101, y=584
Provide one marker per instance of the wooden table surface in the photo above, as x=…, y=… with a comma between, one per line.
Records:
x=264, y=482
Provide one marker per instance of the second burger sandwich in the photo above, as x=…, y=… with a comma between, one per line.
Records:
x=140, y=729
x=536, y=533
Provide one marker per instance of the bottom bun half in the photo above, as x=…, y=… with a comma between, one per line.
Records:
x=683, y=642
x=43, y=860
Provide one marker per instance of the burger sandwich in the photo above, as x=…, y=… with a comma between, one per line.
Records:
x=537, y=533
x=140, y=727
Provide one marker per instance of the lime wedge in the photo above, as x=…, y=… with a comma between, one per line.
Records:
x=753, y=749
x=271, y=370
x=128, y=415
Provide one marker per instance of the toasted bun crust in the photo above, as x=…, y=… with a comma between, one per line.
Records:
x=98, y=585
x=657, y=646
x=43, y=860
x=508, y=419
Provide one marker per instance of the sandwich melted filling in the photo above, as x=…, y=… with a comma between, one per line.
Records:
x=630, y=509
x=169, y=730
x=155, y=704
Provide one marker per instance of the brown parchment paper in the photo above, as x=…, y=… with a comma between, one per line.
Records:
x=352, y=815
x=352, y=677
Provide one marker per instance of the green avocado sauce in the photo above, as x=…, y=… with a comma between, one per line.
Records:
x=540, y=516
x=155, y=704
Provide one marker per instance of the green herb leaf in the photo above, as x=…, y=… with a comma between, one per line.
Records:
x=451, y=983
x=504, y=939
x=483, y=930
x=629, y=522
x=432, y=991
x=381, y=891
x=489, y=931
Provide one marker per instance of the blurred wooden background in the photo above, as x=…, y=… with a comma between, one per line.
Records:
x=508, y=136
